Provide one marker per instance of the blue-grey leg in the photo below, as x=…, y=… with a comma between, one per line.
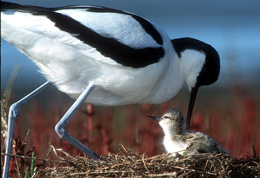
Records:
x=13, y=114
x=60, y=127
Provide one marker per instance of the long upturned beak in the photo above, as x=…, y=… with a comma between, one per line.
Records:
x=155, y=118
x=193, y=95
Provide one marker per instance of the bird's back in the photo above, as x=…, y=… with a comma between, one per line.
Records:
x=201, y=143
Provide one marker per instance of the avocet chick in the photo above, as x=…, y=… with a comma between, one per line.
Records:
x=179, y=140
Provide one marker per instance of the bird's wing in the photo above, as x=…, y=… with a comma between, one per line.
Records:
x=107, y=35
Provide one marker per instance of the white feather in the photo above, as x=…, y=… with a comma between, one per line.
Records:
x=192, y=62
x=122, y=27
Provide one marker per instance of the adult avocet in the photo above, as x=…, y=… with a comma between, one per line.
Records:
x=105, y=57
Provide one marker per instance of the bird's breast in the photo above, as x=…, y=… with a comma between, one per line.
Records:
x=172, y=146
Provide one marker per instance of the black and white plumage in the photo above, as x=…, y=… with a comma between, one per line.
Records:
x=178, y=140
x=76, y=45
x=108, y=56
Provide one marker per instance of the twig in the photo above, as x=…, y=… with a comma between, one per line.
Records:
x=145, y=165
x=17, y=167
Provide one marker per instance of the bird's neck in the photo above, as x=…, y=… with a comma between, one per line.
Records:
x=174, y=131
x=191, y=63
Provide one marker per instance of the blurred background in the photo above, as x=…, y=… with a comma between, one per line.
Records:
x=229, y=110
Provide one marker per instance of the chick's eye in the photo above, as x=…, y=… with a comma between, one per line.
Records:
x=166, y=117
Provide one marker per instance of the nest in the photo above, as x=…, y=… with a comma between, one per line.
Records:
x=127, y=163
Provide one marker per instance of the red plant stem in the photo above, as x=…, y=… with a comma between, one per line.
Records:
x=90, y=121
x=105, y=141
x=11, y=166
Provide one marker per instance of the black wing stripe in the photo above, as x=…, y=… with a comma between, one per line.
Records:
x=109, y=47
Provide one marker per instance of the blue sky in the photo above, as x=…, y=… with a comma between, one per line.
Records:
x=232, y=27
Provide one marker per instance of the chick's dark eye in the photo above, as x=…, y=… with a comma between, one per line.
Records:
x=166, y=117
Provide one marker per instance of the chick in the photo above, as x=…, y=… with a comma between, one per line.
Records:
x=178, y=140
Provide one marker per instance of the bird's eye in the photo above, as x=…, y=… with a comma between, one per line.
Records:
x=166, y=117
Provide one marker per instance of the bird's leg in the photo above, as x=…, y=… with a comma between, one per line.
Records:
x=60, y=127
x=12, y=116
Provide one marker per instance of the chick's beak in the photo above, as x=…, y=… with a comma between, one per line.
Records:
x=155, y=118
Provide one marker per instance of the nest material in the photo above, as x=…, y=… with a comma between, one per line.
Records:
x=130, y=164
